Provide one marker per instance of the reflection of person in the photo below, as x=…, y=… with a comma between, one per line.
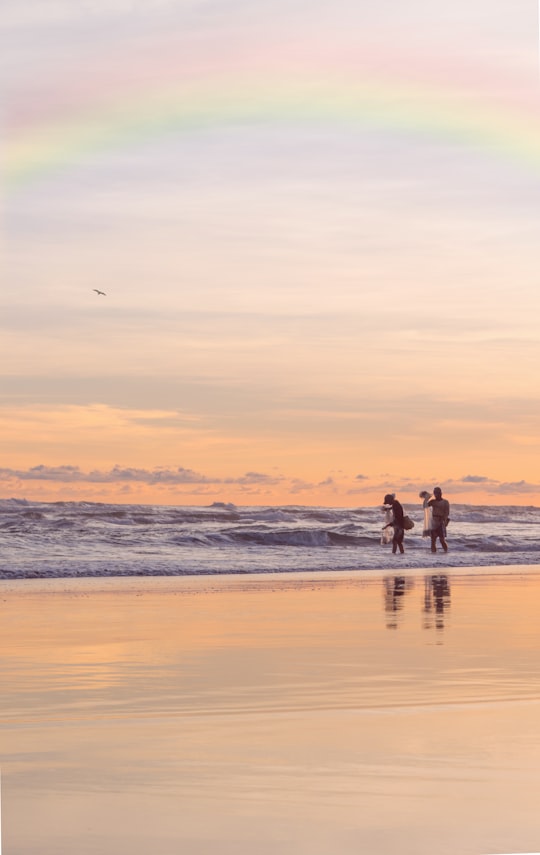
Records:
x=428, y=513
x=391, y=503
x=436, y=599
x=394, y=590
x=441, y=514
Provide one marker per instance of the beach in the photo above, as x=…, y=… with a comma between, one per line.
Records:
x=379, y=712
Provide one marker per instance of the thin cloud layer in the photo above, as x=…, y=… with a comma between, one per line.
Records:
x=468, y=484
x=73, y=474
x=127, y=478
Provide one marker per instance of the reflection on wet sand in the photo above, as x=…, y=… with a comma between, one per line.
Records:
x=272, y=716
x=394, y=592
x=436, y=600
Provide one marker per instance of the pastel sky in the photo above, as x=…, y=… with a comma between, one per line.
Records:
x=317, y=225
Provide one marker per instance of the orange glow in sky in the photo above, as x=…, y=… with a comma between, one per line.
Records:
x=318, y=243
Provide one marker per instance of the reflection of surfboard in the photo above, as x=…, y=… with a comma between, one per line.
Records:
x=428, y=521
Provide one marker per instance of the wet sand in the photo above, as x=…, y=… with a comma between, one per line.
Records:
x=336, y=713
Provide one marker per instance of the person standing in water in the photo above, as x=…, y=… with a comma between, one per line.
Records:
x=397, y=522
x=441, y=514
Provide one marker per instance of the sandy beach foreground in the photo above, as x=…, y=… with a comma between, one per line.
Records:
x=327, y=713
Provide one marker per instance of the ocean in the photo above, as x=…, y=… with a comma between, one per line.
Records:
x=72, y=539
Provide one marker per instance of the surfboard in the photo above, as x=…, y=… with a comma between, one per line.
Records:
x=428, y=521
x=387, y=533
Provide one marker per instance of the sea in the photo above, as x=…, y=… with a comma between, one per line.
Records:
x=72, y=539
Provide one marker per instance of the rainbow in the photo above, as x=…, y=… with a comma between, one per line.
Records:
x=66, y=143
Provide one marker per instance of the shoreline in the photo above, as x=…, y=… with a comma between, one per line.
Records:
x=197, y=583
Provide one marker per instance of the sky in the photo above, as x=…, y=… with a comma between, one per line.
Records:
x=317, y=227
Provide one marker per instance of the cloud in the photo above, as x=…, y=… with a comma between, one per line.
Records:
x=491, y=486
x=252, y=478
x=130, y=480
x=475, y=479
x=465, y=484
x=73, y=474
x=513, y=487
x=470, y=483
x=298, y=485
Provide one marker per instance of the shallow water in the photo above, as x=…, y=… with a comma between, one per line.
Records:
x=336, y=713
x=70, y=539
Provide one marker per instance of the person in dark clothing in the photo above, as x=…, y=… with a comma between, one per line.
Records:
x=397, y=522
x=441, y=514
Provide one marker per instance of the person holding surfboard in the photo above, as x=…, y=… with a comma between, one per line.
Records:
x=441, y=515
x=392, y=504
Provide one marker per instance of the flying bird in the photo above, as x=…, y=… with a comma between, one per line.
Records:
x=103, y=294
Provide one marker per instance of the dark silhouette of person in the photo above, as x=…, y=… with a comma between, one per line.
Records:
x=397, y=522
x=441, y=515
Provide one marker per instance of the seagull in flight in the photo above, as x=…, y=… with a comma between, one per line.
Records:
x=103, y=294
